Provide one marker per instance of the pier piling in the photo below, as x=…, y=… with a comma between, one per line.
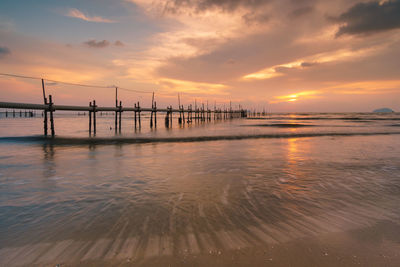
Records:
x=152, y=111
x=94, y=117
x=51, y=116
x=116, y=111
x=138, y=106
x=135, y=111
x=90, y=119
x=120, y=116
x=155, y=114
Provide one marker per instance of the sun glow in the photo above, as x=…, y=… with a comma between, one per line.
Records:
x=295, y=97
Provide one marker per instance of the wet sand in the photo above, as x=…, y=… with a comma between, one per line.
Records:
x=377, y=245
x=309, y=201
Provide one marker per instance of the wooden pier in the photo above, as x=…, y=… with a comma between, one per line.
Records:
x=198, y=114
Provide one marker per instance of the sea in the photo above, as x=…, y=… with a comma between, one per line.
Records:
x=299, y=189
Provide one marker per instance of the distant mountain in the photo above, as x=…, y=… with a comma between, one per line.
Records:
x=383, y=110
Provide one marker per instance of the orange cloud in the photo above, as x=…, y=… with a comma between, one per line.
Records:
x=366, y=87
x=172, y=85
x=75, y=13
x=60, y=74
x=335, y=56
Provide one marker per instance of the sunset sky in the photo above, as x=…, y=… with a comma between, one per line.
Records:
x=284, y=55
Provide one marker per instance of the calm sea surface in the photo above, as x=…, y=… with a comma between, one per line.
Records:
x=282, y=190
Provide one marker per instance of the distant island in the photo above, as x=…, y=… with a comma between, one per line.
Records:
x=383, y=110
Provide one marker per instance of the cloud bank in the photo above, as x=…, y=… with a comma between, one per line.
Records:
x=365, y=18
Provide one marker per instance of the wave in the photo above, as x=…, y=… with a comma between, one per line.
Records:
x=281, y=125
x=142, y=140
x=328, y=118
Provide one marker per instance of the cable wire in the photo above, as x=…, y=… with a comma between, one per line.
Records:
x=73, y=84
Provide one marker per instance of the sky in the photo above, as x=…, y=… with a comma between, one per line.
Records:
x=278, y=55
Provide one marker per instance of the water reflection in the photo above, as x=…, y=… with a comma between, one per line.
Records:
x=118, y=202
x=49, y=166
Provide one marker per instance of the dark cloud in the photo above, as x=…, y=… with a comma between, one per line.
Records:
x=308, y=64
x=97, y=44
x=364, y=18
x=102, y=44
x=250, y=54
x=4, y=51
x=252, y=18
x=118, y=43
x=176, y=6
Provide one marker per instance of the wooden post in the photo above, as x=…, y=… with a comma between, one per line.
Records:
x=180, y=115
x=183, y=114
x=51, y=116
x=171, y=115
x=120, y=115
x=203, y=117
x=151, y=117
x=90, y=119
x=191, y=113
x=94, y=117
x=116, y=112
x=140, y=123
x=135, y=116
x=152, y=110
x=155, y=114
x=45, y=110
x=195, y=110
x=180, y=110
x=167, y=118
x=188, y=116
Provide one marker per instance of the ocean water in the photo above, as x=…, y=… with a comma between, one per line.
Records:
x=281, y=190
